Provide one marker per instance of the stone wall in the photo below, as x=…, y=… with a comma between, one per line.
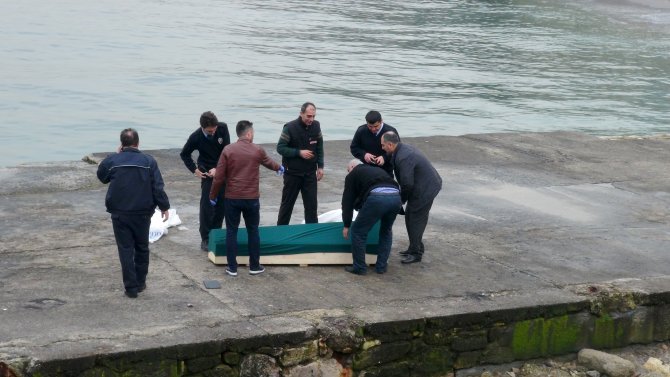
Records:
x=423, y=347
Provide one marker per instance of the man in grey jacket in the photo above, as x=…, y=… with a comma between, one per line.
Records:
x=419, y=185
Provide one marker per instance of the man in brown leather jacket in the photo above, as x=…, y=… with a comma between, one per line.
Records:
x=238, y=167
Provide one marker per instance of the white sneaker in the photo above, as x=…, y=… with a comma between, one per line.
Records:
x=231, y=272
x=260, y=270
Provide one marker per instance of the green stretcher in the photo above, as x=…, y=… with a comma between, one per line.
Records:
x=302, y=244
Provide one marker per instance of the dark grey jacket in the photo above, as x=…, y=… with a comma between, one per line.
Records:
x=418, y=179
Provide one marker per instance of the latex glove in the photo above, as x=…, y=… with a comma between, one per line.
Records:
x=213, y=201
x=281, y=170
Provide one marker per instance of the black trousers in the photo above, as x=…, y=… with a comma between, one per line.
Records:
x=416, y=219
x=211, y=217
x=132, y=240
x=294, y=184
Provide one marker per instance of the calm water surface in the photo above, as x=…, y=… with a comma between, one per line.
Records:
x=74, y=73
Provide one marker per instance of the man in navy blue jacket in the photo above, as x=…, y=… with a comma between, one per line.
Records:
x=209, y=140
x=135, y=190
x=366, y=144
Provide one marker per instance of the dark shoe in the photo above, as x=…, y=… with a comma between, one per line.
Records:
x=352, y=270
x=231, y=272
x=204, y=245
x=257, y=271
x=142, y=288
x=131, y=294
x=411, y=258
x=404, y=253
x=380, y=271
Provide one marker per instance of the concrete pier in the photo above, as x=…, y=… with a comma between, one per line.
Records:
x=537, y=220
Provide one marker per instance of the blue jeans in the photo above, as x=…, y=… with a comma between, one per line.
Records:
x=384, y=207
x=250, y=210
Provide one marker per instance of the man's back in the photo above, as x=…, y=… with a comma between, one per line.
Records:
x=136, y=185
x=240, y=169
x=416, y=175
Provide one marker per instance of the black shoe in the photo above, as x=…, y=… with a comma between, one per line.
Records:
x=404, y=253
x=204, y=245
x=142, y=288
x=352, y=270
x=257, y=271
x=131, y=294
x=381, y=271
x=411, y=258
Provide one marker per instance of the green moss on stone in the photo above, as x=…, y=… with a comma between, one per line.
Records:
x=528, y=339
x=542, y=337
x=609, y=332
x=563, y=335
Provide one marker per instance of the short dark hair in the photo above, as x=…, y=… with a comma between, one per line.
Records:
x=208, y=119
x=373, y=116
x=305, y=105
x=129, y=138
x=242, y=127
x=391, y=137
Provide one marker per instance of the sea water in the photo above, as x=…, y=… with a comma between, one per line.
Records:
x=75, y=73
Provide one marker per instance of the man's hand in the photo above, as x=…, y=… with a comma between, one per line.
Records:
x=165, y=215
x=306, y=154
x=370, y=158
x=319, y=174
x=212, y=172
x=345, y=233
x=379, y=160
x=200, y=174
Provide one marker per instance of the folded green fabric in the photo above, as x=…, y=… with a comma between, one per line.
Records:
x=294, y=239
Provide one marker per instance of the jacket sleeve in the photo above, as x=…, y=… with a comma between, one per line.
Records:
x=348, y=199
x=103, y=171
x=266, y=160
x=220, y=176
x=320, y=158
x=160, y=197
x=355, y=147
x=186, y=153
x=282, y=145
x=405, y=166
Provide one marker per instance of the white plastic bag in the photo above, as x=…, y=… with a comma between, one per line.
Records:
x=333, y=216
x=158, y=227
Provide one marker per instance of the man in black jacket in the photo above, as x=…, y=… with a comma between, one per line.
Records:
x=419, y=185
x=209, y=140
x=301, y=147
x=366, y=144
x=375, y=195
x=135, y=189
